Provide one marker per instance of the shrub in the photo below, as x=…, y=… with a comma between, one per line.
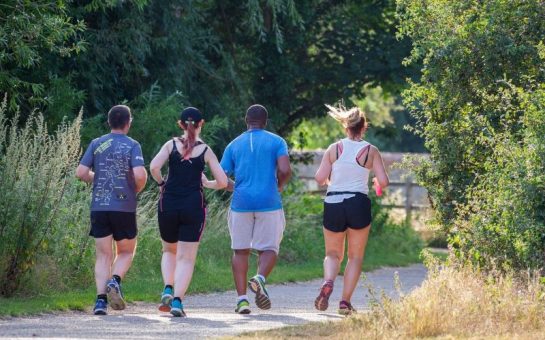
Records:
x=35, y=176
x=479, y=106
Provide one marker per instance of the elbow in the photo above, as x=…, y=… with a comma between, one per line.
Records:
x=285, y=174
x=80, y=174
x=319, y=180
x=140, y=177
x=154, y=169
x=222, y=183
x=140, y=180
x=288, y=174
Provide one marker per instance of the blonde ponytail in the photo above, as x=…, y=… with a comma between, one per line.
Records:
x=352, y=119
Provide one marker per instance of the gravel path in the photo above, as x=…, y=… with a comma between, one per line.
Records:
x=209, y=314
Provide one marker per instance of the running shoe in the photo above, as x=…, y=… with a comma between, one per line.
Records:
x=322, y=301
x=257, y=286
x=115, y=295
x=243, y=307
x=177, y=308
x=166, y=299
x=101, y=307
x=346, y=308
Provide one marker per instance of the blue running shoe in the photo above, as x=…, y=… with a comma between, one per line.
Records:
x=166, y=299
x=177, y=308
x=115, y=295
x=101, y=307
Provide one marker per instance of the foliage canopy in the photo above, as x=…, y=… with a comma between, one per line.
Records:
x=479, y=107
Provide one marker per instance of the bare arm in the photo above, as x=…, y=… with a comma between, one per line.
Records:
x=378, y=168
x=140, y=177
x=85, y=174
x=324, y=171
x=220, y=178
x=283, y=171
x=157, y=163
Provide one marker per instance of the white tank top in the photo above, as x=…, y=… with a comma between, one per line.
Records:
x=347, y=175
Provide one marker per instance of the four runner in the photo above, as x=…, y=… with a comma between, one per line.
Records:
x=259, y=162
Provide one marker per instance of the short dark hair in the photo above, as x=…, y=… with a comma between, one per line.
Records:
x=119, y=116
x=257, y=113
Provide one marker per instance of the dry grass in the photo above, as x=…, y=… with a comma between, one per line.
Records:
x=452, y=303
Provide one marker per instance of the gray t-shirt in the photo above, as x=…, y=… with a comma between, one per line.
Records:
x=112, y=158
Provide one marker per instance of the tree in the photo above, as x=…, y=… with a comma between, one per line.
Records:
x=32, y=33
x=481, y=82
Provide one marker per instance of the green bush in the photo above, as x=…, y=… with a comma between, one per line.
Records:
x=36, y=169
x=479, y=106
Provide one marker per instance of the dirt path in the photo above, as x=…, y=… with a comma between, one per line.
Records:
x=210, y=314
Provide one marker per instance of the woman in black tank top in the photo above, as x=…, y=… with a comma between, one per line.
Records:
x=181, y=209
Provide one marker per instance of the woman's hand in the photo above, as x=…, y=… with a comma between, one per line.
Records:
x=378, y=189
x=205, y=182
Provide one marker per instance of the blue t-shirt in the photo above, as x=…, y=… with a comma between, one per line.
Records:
x=112, y=158
x=251, y=158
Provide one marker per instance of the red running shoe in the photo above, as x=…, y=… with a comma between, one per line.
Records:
x=322, y=301
x=346, y=308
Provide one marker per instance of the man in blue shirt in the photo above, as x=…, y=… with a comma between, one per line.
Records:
x=260, y=164
x=115, y=166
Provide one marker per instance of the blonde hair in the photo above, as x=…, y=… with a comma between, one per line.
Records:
x=352, y=119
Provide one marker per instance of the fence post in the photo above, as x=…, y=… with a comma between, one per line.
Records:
x=408, y=206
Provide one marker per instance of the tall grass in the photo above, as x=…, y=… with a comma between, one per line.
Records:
x=35, y=178
x=453, y=302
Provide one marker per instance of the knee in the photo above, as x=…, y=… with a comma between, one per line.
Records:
x=355, y=257
x=185, y=257
x=169, y=249
x=335, y=255
x=104, y=256
x=125, y=252
x=241, y=252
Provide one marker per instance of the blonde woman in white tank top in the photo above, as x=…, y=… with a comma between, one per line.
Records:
x=345, y=168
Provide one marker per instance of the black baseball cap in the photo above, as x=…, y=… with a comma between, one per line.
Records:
x=190, y=114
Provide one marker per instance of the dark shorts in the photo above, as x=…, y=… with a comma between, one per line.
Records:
x=122, y=225
x=354, y=213
x=185, y=226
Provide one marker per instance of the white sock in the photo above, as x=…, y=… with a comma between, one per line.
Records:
x=242, y=297
x=261, y=277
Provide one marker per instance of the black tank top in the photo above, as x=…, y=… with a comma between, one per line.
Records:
x=183, y=189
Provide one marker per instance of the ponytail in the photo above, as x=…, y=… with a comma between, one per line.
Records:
x=189, y=142
x=354, y=119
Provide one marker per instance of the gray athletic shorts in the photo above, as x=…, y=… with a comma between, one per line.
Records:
x=256, y=230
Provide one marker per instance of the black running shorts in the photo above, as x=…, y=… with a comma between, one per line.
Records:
x=122, y=225
x=354, y=213
x=185, y=226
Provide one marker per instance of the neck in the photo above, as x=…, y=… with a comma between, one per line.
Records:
x=118, y=131
x=255, y=127
x=197, y=135
x=355, y=138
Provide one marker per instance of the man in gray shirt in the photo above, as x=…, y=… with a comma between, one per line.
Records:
x=115, y=166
